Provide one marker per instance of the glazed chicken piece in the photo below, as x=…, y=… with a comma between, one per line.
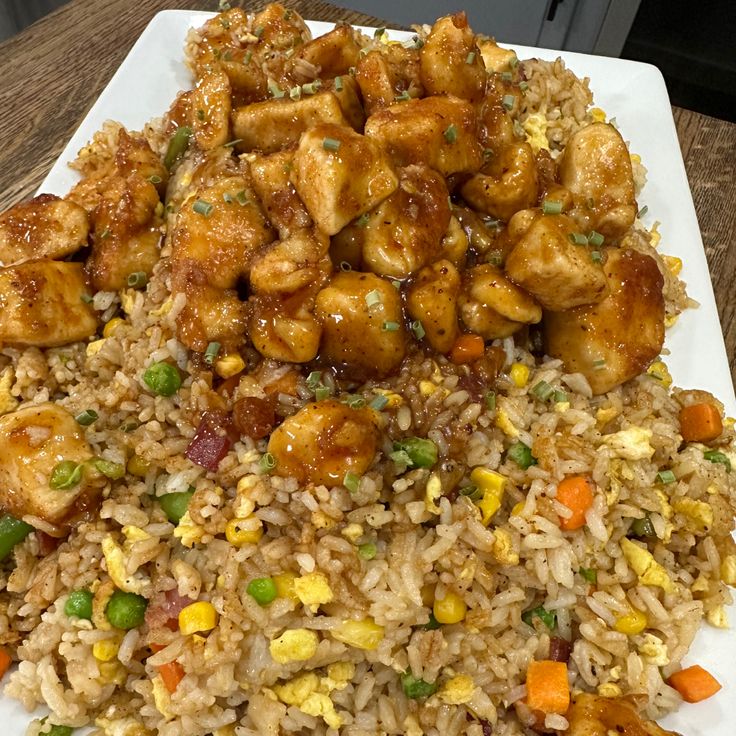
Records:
x=455, y=243
x=387, y=74
x=496, y=125
x=127, y=232
x=593, y=715
x=450, y=62
x=347, y=92
x=432, y=299
x=493, y=306
x=323, y=441
x=616, y=339
x=272, y=183
x=280, y=28
x=441, y=132
x=33, y=441
x=331, y=54
x=404, y=232
x=596, y=168
x=217, y=235
x=41, y=304
x=43, y=227
x=134, y=155
x=506, y=184
x=210, y=108
x=495, y=58
x=275, y=124
x=339, y=175
x=363, y=329
x=285, y=282
x=557, y=272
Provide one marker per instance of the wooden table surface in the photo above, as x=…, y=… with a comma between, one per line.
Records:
x=54, y=71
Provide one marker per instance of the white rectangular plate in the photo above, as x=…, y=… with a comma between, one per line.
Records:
x=154, y=71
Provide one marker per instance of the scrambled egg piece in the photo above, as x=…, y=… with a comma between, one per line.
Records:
x=8, y=402
x=187, y=531
x=412, y=727
x=660, y=371
x=352, y=532
x=535, y=127
x=728, y=569
x=717, y=617
x=605, y=415
x=647, y=569
x=503, y=549
x=115, y=559
x=655, y=650
x=313, y=590
x=699, y=513
x=666, y=511
x=121, y=727
x=229, y=365
x=609, y=690
x=505, y=425
x=432, y=493
x=426, y=388
x=165, y=308
x=127, y=300
x=162, y=699
x=598, y=115
x=294, y=645
x=318, y=704
x=457, y=690
x=631, y=444
x=94, y=347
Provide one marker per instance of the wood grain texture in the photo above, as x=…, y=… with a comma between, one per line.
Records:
x=55, y=69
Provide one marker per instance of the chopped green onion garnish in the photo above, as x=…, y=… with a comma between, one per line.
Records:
x=472, y=492
x=111, y=470
x=514, y=62
x=666, y=476
x=432, y=624
x=422, y=452
x=390, y=326
x=225, y=23
x=595, y=239
x=490, y=398
x=331, y=144
x=718, y=457
x=506, y=76
x=338, y=84
x=396, y=284
x=155, y=179
x=234, y=142
x=596, y=256
x=200, y=114
x=311, y=87
x=643, y=211
x=258, y=31
x=137, y=280
x=400, y=457
x=275, y=90
x=241, y=197
x=589, y=574
x=551, y=207
x=87, y=417
x=450, y=133
x=223, y=5
x=523, y=86
x=560, y=396
x=415, y=688
x=379, y=32
x=418, y=329
x=202, y=208
x=415, y=43
x=177, y=145
x=295, y=93
x=248, y=57
x=372, y=298
x=598, y=364
x=367, y=551
x=362, y=221
x=267, y=462
x=351, y=481
x=354, y=401
x=642, y=527
x=321, y=393
x=228, y=198
x=105, y=234
x=379, y=402
x=578, y=239
x=65, y=475
x=314, y=379
x=228, y=55
x=508, y=101
x=211, y=353
x=129, y=425
x=521, y=454
x=345, y=266
x=403, y=97
x=542, y=390
x=548, y=618
x=470, y=58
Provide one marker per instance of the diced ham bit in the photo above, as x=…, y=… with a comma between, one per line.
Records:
x=46, y=543
x=254, y=417
x=559, y=649
x=164, y=611
x=212, y=440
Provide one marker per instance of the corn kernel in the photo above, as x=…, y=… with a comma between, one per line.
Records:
x=660, y=371
x=674, y=264
x=106, y=649
x=239, y=535
x=426, y=388
x=728, y=569
x=111, y=326
x=493, y=485
x=284, y=583
x=597, y=114
x=199, y=616
x=138, y=466
x=94, y=347
x=451, y=609
x=229, y=365
x=519, y=374
x=365, y=634
x=631, y=623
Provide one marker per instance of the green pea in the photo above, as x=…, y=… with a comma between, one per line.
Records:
x=643, y=527
x=65, y=475
x=125, y=610
x=521, y=454
x=589, y=574
x=12, y=532
x=79, y=604
x=177, y=145
x=111, y=470
x=416, y=688
x=432, y=624
x=548, y=618
x=367, y=551
x=60, y=731
x=422, y=453
x=175, y=505
x=163, y=379
x=263, y=590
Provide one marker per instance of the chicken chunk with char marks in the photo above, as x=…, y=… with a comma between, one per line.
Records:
x=339, y=175
x=545, y=261
x=43, y=227
x=616, y=339
x=363, y=327
x=41, y=304
x=323, y=441
x=33, y=440
x=596, y=168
